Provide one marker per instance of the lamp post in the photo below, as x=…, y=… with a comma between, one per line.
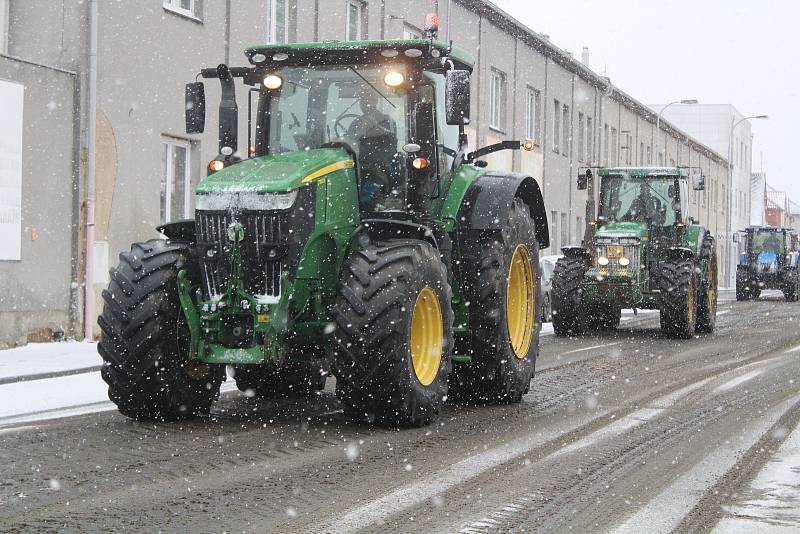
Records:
x=728, y=236
x=658, y=124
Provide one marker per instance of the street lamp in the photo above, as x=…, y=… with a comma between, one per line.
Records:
x=728, y=237
x=658, y=123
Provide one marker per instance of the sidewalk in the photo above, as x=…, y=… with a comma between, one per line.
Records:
x=43, y=360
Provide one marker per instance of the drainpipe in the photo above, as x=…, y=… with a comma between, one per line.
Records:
x=91, y=161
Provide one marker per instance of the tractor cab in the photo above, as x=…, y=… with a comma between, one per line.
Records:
x=768, y=259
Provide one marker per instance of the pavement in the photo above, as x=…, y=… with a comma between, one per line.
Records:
x=622, y=432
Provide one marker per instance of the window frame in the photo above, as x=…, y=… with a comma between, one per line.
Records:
x=589, y=140
x=556, y=125
x=497, y=100
x=566, y=129
x=174, y=6
x=581, y=137
x=272, y=29
x=360, y=7
x=532, y=114
x=170, y=143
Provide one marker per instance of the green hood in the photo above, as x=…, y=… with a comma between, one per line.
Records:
x=277, y=173
x=624, y=229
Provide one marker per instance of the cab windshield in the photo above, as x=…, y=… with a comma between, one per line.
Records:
x=766, y=241
x=650, y=200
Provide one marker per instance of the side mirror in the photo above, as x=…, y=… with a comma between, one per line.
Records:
x=456, y=97
x=583, y=180
x=195, y=108
x=698, y=182
x=735, y=238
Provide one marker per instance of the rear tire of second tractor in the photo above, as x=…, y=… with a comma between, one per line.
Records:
x=679, y=287
x=394, y=333
x=503, y=288
x=791, y=290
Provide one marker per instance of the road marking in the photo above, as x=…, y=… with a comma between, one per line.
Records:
x=590, y=348
x=730, y=384
x=723, y=312
x=418, y=492
x=795, y=349
x=665, y=512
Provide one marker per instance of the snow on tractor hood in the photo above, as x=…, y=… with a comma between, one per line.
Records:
x=276, y=173
x=624, y=229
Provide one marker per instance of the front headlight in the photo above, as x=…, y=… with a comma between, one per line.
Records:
x=602, y=261
x=624, y=262
x=245, y=200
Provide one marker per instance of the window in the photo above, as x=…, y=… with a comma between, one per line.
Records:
x=554, y=229
x=614, y=148
x=579, y=229
x=176, y=184
x=605, y=144
x=556, y=125
x=565, y=129
x=641, y=154
x=589, y=141
x=532, y=104
x=497, y=100
x=581, y=137
x=355, y=20
x=564, y=230
x=649, y=156
x=629, y=151
x=183, y=7
x=279, y=21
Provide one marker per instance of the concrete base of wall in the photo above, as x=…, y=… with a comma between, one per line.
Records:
x=19, y=328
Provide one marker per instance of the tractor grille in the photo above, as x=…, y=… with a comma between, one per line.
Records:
x=273, y=241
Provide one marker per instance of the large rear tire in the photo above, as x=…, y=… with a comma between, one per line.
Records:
x=742, y=284
x=679, y=288
x=791, y=291
x=707, y=301
x=394, y=335
x=569, y=317
x=144, y=337
x=503, y=290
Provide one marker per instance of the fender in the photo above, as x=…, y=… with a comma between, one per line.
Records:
x=679, y=253
x=490, y=196
x=178, y=230
x=379, y=229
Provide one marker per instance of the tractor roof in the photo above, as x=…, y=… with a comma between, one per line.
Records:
x=386, y=49
x=644, y=172
x=769, y=229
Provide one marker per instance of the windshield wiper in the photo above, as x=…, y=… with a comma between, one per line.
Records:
x=373, y=87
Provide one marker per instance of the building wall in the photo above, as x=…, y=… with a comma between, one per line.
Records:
x=147, y=53
x=36, y=291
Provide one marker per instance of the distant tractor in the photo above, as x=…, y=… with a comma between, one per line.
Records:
x=357, y=235
x=769, y=260
x=641, y=251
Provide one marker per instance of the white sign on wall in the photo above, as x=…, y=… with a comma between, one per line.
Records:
x=11, y=100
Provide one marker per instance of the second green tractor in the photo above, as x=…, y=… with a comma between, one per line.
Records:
x=642, y=250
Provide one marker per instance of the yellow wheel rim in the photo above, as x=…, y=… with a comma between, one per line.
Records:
x=521, y=301
x=690, y=301
x=426, y=336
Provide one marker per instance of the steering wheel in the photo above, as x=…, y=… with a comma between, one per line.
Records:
x=338, y=125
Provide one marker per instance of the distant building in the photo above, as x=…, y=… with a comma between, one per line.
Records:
x=712, y=124
x=758, y=199
x=776, y=208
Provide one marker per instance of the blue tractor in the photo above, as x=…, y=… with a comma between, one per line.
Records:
x=768, y=259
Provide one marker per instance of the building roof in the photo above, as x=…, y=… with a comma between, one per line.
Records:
x=542, y=44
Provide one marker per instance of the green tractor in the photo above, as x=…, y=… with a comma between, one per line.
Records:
x=357, y=237
x=641, y=251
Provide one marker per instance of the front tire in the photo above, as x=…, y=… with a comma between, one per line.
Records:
x=503, y=290
x=679, y=287
x=569, y=318
x=742, y=284
x=394, y=335
x=791, y=291
x=144, y=337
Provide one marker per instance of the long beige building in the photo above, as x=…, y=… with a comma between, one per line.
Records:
x=145, y=166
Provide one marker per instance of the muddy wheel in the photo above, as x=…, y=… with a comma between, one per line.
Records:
x=743, y=291
x=503, y=289
x=790, y=285
x=679, y=287
x=394, y=333
x=569, y=318
x=144, y=340
x=707, y=299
